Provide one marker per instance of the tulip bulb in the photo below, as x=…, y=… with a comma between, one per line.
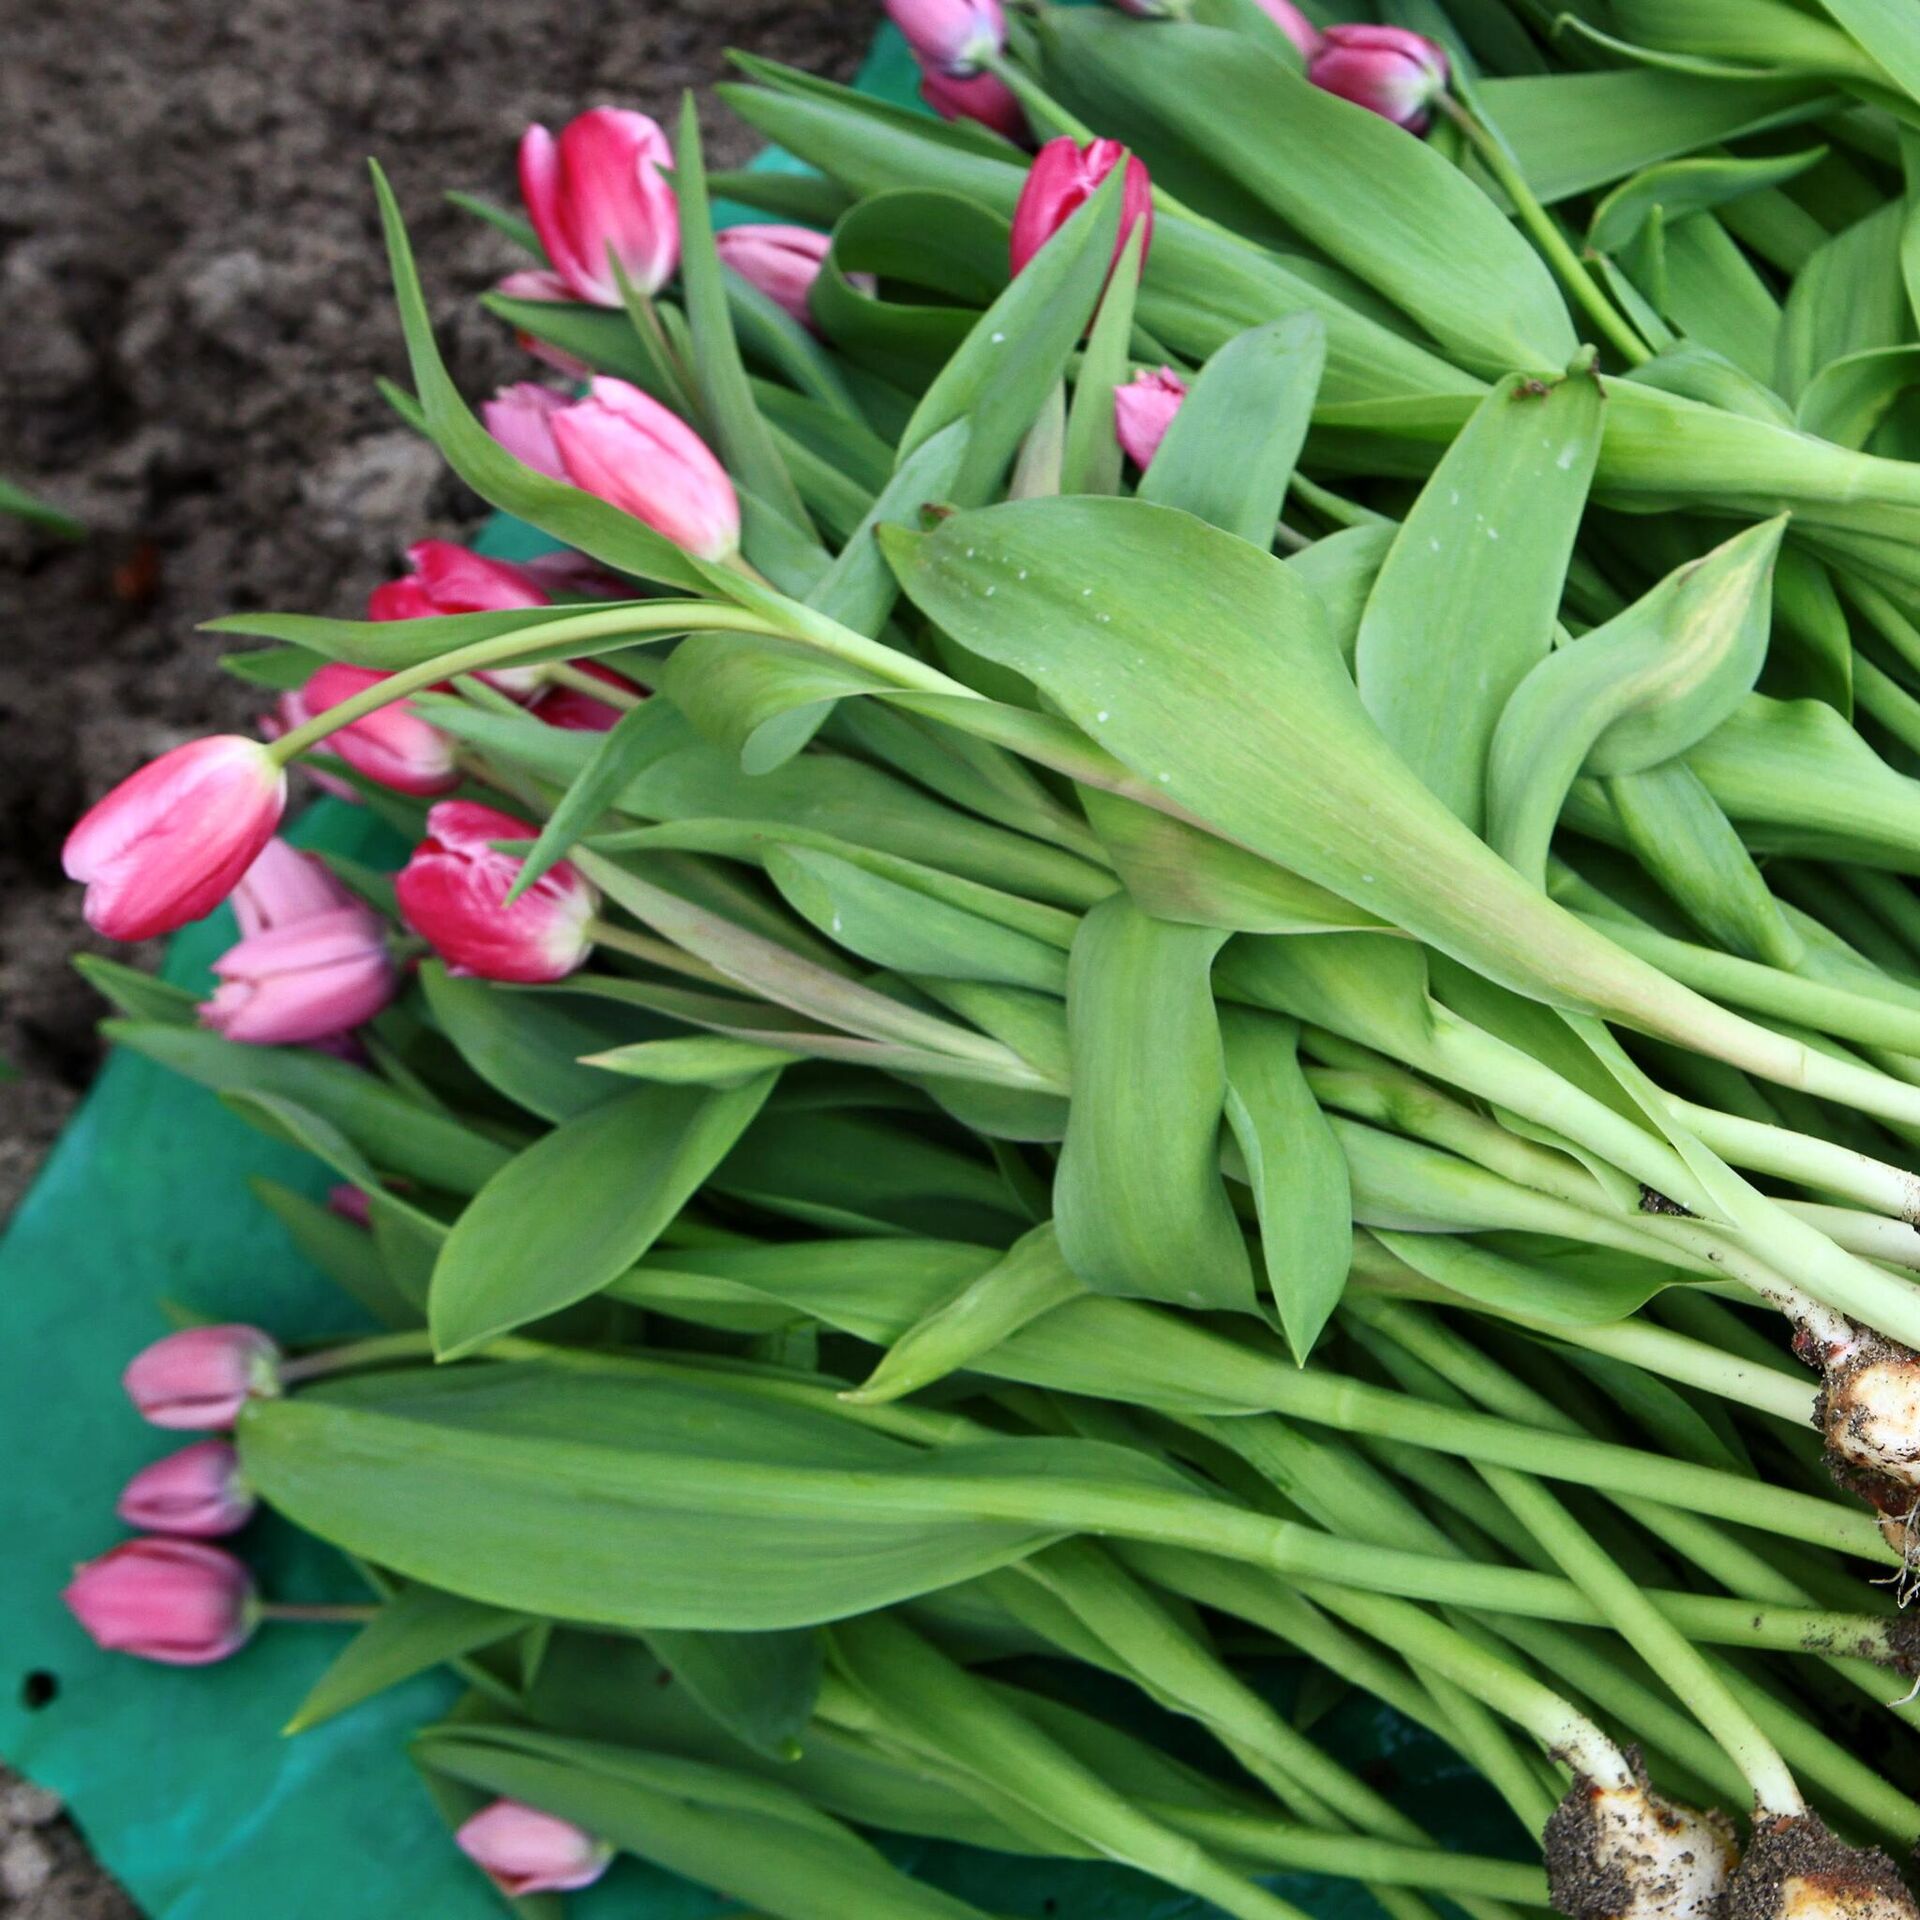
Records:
x=1625, y=1852
x=1796, y=1869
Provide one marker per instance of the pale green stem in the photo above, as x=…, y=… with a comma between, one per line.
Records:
x=288, y=1612
x=563, y=673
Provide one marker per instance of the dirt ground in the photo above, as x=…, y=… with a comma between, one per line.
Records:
x=194, y=312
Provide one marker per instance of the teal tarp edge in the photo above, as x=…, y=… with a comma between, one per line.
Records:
x=179, y=1777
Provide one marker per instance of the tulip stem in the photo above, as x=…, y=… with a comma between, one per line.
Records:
x=1551, y=241
x=564, y=674
x=315, y=1614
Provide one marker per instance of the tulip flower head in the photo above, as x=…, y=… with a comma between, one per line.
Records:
x=202, y=1376
x=1063, y=178
x=1143, y=410
x=520, y=417
x=1390, y=71
x=450, y=578
x=950, y=37
x=306, y=981
x=197, y=1491
x=596, y=195
x=453, y=891
x=283, y=885
x=782, y=261
x=626, y=447
x=180, y=1602
x=985, y=98
x=170, y=842
x=392, y=745
x=522, y=1850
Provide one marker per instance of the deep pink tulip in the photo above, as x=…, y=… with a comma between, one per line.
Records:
x=578, y=712
x=170, y=842
x=450, y=578
x=453, y=889
x=1143, y=410
x=782, y=261
x=303, y=982
x=392, y=745
x=202, y=1376
x=197, y=1491
x=1063, y=178
x=625, y=446
x=985, y=98
x=1390, y=71
x=1294, y=24
x=520, y=417
x=177, y=1601
x=284, y=885
x=540, y=283
x=951, y=37
x=598, y=194
x=522, y=1850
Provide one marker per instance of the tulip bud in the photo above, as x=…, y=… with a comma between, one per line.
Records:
x=1063, y=178
x=783, y=262
x=1294, y=24
x=196, y=1491
x=350, y=1204
x=577, y=712
x=176, y=1601
x=203, y=1376
x=520, y=417
x=522, y=1850
x=170, y=842
x=1390, y=71
x=450, y=578
x=625, y=446
x=392, y=745
x=1143, y=410
x=302, y=982
x=951, y=37
x=452, y=893
x=596, y=195
x=538, y=283
x=985, y=98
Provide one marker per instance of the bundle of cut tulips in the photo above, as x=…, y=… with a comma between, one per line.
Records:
x=1175, y=941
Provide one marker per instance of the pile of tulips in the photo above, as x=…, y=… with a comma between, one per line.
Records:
x=1176, y=941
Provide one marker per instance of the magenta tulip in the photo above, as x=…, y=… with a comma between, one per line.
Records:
x=392, y=745
x=985, y=98
x=450, y=578
x=1390, y=71
x=520, y=417
x=951, y=37
x=576, y=711
x=453, y=890
x=522, y=1850
x=1143, y=410
x=597, y=195
x=625, y=446
x=197, y=1491
x=783, y=262
x=170, y=842
x=202, y=1376
x=177, y=1601
x=1063, y=178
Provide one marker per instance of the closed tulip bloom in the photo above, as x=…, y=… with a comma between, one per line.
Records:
x=575, y=711
x=450, y=578
x=1390, y=71
x=1063, y=178
x=453, y=890
x=170, y=842
x=392, y=745
x=522, y=1850
x=202, y=1376
x=782, y=261
x=520, y=417
x=597, y=194
x=283, y=885
x=985, y=98
x=197, y=1491
x=643, y=458
x=177, y=1601
x=303, y=982
x=951, y=37
x=1143, y=410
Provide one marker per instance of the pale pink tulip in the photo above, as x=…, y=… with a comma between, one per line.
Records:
x=782, y=261
x=202, y=1376
x=197, y=1491
x=951, y=37
x=1391, y=71
x=303, y=982
x=598, y=194
x=1143, y=410
x=522, y=1850
x=284, y=885
x=520, y=417
x=176, y=1601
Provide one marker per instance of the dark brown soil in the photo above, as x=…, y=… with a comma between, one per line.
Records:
x=195, y=310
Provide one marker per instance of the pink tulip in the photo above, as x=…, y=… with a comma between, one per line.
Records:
x=177, y=1601
x=1143, y=410
x=1390, y=71
x=392, y=745
x=197, y=1491
x=783, y=262
x=520, y=417
x=985, y=98
x=1063, y=178
x=522, y=1850
x=202, y=1376
x=1294, y=24
x=170, y=842
x=625, y=446
x=284, y=885
x=951, y=37
x=453, y=889
x=303, y=982
x=577, y=712
x=450, y=578
x=596, y=195
x=539, y=283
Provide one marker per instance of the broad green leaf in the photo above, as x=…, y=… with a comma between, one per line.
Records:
x=1090, y=458
x=579, y=1206
x=140, y=996
x=1465, y=602
x=1229, y=454
x=1294, y=1166
x=1688, y=186
x=1889, y=33
x=1341, y=569
x=1849, y=397
x=1849, y=298
x=1811, y=654
x=760, y=1686
x=280, y=669
x=1595, y=1293
x=1138, y=1202
x=617, y=757
x=1714, y=294
x=715, y=1061
x=345, y=1253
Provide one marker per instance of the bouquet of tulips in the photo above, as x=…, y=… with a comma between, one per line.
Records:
x=1177, y=932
